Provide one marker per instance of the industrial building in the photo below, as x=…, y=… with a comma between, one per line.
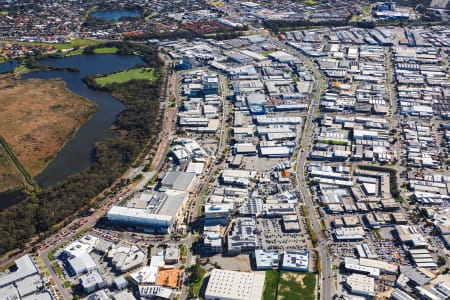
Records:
x=360, y=284
x=232, y=285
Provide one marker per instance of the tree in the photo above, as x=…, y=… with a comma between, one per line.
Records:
x=441, y=261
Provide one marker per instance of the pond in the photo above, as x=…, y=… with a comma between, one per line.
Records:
x=8, y=66
x=115, y=15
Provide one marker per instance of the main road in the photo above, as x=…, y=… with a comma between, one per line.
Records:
x=326, y=278
x=197, y=202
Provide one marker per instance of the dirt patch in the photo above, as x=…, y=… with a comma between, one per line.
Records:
x=37, y=117
x=169, y=277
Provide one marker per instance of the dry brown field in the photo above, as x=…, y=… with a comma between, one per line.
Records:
x=37, y=117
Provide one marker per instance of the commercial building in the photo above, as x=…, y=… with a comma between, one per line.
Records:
x=295, y=260
x=92, y=281
x=218, y=213
x=180, y=181
x=146, y=275
x=232, y=285
x=155, y=292
x=82, y=263
x=25, y=268
x=361, y=284
x=350, y=233
x=266, y=259
x=290, y=223
x=125, y=258
x=236, y=177
x=120, y=282
x=212, y=239
x=411, y=235
x=171, y=255
x=242, y=236
x=161, y=212
x=23, y=283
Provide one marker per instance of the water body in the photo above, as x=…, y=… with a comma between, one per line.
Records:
x=115, y=15
x=77, y=154
x=8, y=66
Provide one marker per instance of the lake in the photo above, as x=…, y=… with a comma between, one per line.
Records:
x=77, y=154
x=115, y=15
x=8, y=66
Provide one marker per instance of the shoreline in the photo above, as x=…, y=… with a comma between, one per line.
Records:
x=91, y=108
x=75, y=131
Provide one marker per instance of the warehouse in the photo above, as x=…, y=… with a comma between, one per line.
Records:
x=230, y=285
x=180, y=181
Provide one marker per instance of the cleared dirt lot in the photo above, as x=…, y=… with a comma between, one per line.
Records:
x=37, y=117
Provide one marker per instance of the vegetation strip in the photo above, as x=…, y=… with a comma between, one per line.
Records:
x=17, y=163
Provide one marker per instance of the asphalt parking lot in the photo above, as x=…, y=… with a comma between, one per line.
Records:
x=272, y=236
x=261, y=164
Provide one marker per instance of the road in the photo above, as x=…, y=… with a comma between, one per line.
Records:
x=197, y=202
x=326, y=284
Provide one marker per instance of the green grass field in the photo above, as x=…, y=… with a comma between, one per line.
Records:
x=121, y=77
x=106, y=50
x=296, y=286
x=270, y=285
